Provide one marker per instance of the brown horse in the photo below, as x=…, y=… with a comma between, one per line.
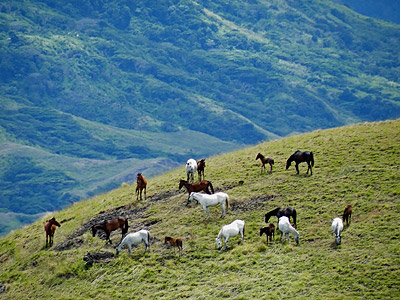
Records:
x=202, y=186
x=269, y=232
x=201, y=164
x=265, y=160
x=299, y=157
x=111, y=225
x=347, y=214
x=171, y=242
x=141, y=184
x=50, y=229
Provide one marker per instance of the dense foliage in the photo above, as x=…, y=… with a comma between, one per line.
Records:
x=230, y=72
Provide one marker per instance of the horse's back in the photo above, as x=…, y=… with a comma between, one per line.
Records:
x=337, y=224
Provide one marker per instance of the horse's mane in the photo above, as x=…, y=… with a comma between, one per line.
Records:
x=274, y=211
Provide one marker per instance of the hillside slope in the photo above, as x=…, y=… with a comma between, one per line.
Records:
x=353, y=165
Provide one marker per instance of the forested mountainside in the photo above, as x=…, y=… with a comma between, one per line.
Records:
x=92, y=92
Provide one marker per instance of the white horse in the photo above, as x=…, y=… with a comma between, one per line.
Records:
x=207, y=200
x=337, y=227
x=191, y=169
x=229, y=230
x=134, y=239
x=285, y=227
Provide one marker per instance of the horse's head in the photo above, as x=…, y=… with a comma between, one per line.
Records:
x=218, y=242
x=191, y=197
x=297, y=239
x=54, y=222
x=338, y=239
x=267, y=216
x=262, y=230
x=288, y=163
x=258, y=155
x=181, y=183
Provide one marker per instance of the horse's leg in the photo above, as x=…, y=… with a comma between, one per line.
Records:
x=145, y=196
x=297, y=168
x=47, y=237
x=205, y=212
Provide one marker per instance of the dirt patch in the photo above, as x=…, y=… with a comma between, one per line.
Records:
x=254, y=203
x=97, y=257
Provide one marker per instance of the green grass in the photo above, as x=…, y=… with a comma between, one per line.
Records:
x=355, y=165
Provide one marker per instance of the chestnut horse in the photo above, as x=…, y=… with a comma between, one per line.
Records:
x=269, y=232
x=50, y=229
x=111, y=225
x=299, y=157
x=347, y=214
x=201, y=164
x=141, y=184
x=203, y=185
x=265, y=160
x=171, y=242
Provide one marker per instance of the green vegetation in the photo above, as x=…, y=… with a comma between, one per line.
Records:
x=353, y=165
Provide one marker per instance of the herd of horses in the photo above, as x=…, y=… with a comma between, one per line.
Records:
x=203, y=193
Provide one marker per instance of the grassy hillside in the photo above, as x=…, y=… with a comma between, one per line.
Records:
x=353, y=165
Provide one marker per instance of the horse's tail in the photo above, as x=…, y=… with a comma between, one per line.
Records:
x=148, y=239
x=211, y=187
x=312, y=159
x=227, y=201
x=244, y=226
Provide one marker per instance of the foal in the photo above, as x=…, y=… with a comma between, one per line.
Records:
x=347, y=214
x=177, y=243
x=141, y=184
x=269, y=232
x=265, y=160
x=201, y=164
x=50, y=229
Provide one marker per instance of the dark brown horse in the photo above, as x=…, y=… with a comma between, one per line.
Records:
x=111, y=225
x=50, y=229
x=141, y=184
x=269, y=232
x=265, y=160
x=279, y=212
x=171, y=242
x=299, y=157
x=201, y=164
x=202, y=186
x=347, y=214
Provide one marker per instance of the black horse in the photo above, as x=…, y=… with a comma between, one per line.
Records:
x=279, y=212
x=299, y=157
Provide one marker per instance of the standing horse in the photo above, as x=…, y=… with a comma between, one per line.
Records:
x=141, y=184
x=134, y=239
x=347, y=214
x=111, y=225
x=203, y=185
x=171, y=242
x=285, y=227
x=206, y=200
x=191, y=168
x=279, y=212
x=201, y=164
x=265, y=160
x=299, y=157
x=269, y=231
x=337, y=227
x=229, y=230
x=50, y=229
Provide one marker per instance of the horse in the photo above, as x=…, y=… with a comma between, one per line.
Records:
x=204, y=185
x=337, y=227
x=50, y=229
x=141, y=184
x=201, y=164
x=134, y=239
x=265, y=160
x=347, y=214
x=299, y=157
x=285, y=227
x=269, y=232
x=230, y=230
x=177, y=243
x=279, y=212
x=191, y=168
x=211, y=200
x=111, y=225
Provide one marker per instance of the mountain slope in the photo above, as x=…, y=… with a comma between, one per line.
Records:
x=353, y=165
x=235, y=73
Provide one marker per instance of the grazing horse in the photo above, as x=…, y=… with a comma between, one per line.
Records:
x=279, y=212
x=191, y=168
x=299, y=157
x=347, y=214
x=228, y=231
x=201, y=164
x=134, y=239
x=111, y=225
x=50, y=229
x=203, y=185
x=171, y=242
x=206, y=200
x=285, y=227
x=337, y=227
x=141, y=184
x=265, y=160
x=269, y=231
